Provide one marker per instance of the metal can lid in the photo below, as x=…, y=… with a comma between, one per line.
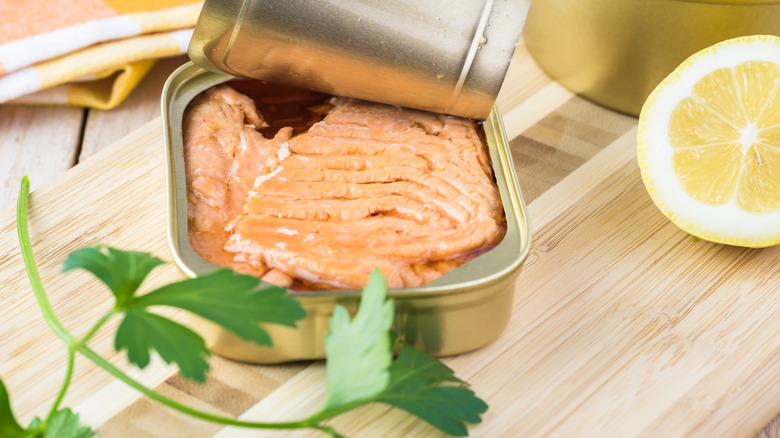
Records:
x=438, y=55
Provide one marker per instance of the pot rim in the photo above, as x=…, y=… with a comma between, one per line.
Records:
x=733, y=2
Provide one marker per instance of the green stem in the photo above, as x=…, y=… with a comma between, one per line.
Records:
x=321, y=416
x=96, y=327
x=65, y=383
x=154, y=395
x=71, y=360
x=32, y=269
x=75, y=344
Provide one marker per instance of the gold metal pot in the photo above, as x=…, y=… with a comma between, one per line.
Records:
x=615, y=52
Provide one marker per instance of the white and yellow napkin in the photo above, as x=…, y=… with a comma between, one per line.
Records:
x=86, y=52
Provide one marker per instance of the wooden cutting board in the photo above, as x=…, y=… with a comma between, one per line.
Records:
x=622, y=325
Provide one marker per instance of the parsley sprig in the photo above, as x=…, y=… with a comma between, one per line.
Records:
x=360, y=368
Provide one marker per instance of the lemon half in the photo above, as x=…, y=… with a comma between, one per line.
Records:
x=709, y=143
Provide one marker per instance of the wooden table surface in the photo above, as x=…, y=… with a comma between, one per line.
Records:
x=45, y=142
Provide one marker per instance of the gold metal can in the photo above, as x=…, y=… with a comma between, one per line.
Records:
x=460, y=311
x=615, y=52
x=442, y=56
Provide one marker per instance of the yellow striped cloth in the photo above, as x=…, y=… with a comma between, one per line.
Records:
x=86, y=52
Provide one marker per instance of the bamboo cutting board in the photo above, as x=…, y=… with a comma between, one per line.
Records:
x=622, y=324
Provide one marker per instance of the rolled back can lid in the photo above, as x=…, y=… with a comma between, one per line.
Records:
x=437, y=55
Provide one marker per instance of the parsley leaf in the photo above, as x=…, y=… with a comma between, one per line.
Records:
x=122, y=271
x=232, y=300
x=235, y=301
x=65, y=424
x=8, y=425
x=359, y=352
x=414, y=387
x=141, y=331
x=360, y=369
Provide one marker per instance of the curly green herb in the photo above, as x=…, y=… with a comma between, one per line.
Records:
x=359, y=370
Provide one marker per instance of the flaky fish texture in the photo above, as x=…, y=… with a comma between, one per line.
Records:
x=370, y=185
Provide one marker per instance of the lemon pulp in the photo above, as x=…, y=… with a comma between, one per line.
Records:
x=726, y=138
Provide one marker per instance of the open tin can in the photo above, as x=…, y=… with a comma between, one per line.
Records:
x=458, y=312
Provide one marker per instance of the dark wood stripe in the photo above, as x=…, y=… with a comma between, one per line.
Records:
x=562, y=141
x=231, y=389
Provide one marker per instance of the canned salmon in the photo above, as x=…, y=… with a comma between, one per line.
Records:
x=459, y=311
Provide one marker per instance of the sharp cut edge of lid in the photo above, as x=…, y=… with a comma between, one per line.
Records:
x=236, y=28
x=475, y=43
